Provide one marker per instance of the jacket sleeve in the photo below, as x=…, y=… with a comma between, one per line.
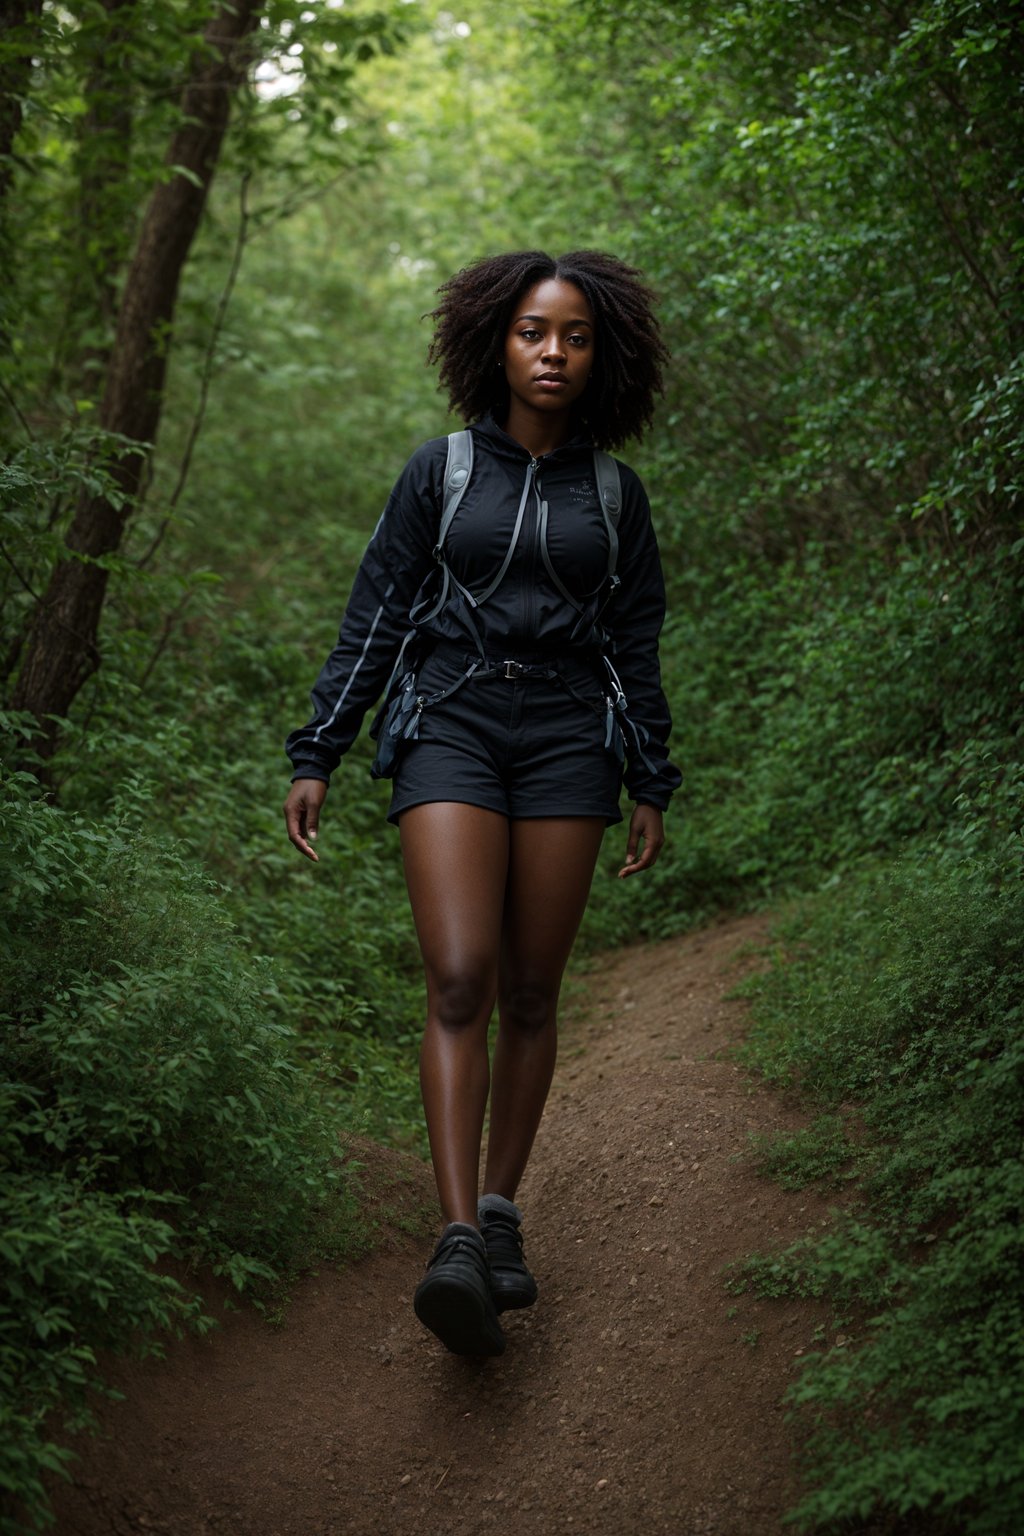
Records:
x=635, y=624
x=398, y=560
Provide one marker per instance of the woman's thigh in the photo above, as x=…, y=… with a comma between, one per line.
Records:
x=550, y=867
x=456, y=866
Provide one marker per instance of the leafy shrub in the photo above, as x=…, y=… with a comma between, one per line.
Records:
x=903, y=991
x=152, y=1108
x=794, y=1159
x=824, y=715
x=209, y=744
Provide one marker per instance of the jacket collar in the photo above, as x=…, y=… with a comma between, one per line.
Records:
x=497, y=439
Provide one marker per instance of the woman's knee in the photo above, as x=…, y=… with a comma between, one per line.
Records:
x=527, y=1007
x=461, y=998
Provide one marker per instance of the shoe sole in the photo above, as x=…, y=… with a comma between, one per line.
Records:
x=523, y=1295
x=455, y=1313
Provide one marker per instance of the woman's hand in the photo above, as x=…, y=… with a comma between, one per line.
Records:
x=302, y=814
x=646, y=827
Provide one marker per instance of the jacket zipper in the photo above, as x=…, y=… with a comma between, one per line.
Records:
x=532, y=549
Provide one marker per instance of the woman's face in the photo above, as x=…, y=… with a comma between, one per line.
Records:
x=549, y=346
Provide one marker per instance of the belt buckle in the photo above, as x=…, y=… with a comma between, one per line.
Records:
x=512, y=670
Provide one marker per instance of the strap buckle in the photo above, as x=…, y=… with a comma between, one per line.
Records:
x=512, y=670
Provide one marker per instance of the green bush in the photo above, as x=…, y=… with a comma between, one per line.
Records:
x=901, y=990
x=152, y=1109
x=209, y=743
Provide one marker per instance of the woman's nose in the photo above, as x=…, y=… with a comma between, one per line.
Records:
x=553, y=350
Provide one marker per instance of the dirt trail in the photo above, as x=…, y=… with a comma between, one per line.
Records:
x=629, y=1399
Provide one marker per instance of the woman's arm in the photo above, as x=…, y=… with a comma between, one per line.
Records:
x=635, y=623
x=397, y=561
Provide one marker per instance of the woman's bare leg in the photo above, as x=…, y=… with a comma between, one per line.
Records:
x=456, y=865
x=550, y=866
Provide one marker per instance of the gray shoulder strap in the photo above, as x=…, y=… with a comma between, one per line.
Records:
x=457, y=470
x=458, y=466
x=609, y=494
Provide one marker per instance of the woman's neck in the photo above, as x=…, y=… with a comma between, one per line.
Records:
x=539, y=432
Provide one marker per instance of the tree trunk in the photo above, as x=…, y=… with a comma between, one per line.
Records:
x=62, y=651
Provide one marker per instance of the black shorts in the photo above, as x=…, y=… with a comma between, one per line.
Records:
x=525, y=746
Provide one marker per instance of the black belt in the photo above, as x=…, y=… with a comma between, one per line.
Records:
x=513, y=668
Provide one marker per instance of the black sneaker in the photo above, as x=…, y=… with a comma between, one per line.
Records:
x=454, y=1297
x=512, y=1285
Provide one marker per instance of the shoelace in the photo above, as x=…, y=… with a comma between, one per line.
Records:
x=458, y=1244
x=504, y=1240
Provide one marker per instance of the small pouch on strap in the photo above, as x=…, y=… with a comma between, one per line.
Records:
x=613, y=738
x=398, y=722
x=398, y=719
x=634, y=737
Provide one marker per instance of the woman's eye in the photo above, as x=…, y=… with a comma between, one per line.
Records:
x=579, y=341
x=529, y=334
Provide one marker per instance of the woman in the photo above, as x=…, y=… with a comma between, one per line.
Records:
x=532, y=667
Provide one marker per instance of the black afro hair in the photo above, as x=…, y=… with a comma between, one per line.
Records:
x=472, y=319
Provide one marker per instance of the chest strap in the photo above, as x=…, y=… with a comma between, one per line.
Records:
x=458, y=470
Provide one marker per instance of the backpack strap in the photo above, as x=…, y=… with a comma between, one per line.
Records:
x=458, y=466
x=457, y=469
x=609, y=494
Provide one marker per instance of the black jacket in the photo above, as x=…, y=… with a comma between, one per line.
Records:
x=526, y=614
